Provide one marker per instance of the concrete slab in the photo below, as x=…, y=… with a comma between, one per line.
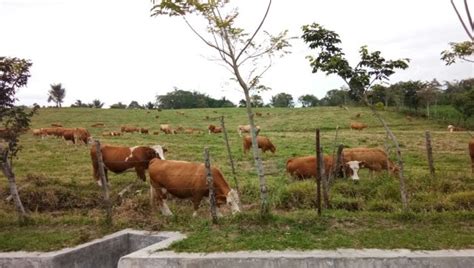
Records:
x=316, y=258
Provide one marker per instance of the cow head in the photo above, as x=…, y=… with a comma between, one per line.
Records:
x=232, y=199
x=352, y=168
x=450, y=128
x=159, y=151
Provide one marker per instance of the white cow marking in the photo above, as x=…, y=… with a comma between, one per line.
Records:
x=131, y=153
x=159, y=150
x=354, y=165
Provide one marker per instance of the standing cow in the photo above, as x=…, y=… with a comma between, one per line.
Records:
x=305, y=167
x=263, y=142
x=187, y=180
x=374, y=159
x=118, y=159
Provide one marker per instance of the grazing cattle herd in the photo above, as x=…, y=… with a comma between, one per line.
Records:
x=187, y=180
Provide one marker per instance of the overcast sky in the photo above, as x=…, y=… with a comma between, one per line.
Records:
x=114, y=51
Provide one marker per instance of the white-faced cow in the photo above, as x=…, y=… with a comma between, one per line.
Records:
x=305, y=167
x=374, y=159
x=187, y=180
x=118, y=159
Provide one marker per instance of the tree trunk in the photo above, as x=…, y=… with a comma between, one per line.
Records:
x=318, y=173
x=403, y=193
x=8, y=172
x=231, y=160
x=264, y=207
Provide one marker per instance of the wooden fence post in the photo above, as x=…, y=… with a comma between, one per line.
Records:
x=210, y=184
x=224, y=130
x=339, y=161
x=331, y=174
x=103, y=180
x=387, y=151
x=429, y=151
x=318, y=173
x=324, y=179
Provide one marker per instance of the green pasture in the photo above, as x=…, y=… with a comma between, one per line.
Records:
x=66, y=209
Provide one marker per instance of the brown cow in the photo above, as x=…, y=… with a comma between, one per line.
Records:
x=471, y=153
x=97, y=125
x=144, y=130
x=187, y=180
x=246, y=129
x=452, y=128
x=305, y=167
x=258, y=114
x=118, y=159
x=167, y=129
x=374, y=159
x=76, y=135
x=263, y=142
x=214, y=129
x=358, y=126
x=129, y=129
x=37, y=132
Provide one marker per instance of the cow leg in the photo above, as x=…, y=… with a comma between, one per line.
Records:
x=157, y=196
x=196, y=203
x=141, y=173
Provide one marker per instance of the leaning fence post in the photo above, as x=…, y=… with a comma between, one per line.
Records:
x=318, y=173
x=103, y=180
x=230, y=157
x=210, y=184
x=324, y=179
x=429, y=151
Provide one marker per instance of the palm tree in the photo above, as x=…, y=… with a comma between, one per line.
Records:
x=56, y=94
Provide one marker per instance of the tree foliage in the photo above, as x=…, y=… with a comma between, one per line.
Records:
x=308, y=100
x=14, y=74
x=282, y=100
x=56, y=94
x=134, y=105
x=182, y=99
x=118, y=105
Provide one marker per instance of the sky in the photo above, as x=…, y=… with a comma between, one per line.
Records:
x=112, y=50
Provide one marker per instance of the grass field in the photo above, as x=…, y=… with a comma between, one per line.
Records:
x=65, y=201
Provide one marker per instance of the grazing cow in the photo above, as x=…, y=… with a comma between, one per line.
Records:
x=246, y=129
x=471, y=153
x=263, y=142
x=214, y=129
x=187, y=180
x=37, y=132
x=258, y=114
x=98, y=125
x=452, y=128
x=111, y=133
x=374, y=159
x=129, y=129
x=56, y=125
x=358, y=126
x=305, y=167
x=144, y=130
x=76, y=135
x=118, y=159
x=167, y=129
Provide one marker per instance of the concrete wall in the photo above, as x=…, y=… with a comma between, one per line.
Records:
x=104, y=252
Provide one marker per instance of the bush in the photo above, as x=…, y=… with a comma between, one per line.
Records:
x=379, y=106
x=381, y=206
x=349, y=204
x=299, y=194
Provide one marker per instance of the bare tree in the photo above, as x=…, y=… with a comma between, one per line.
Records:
x=245, y=58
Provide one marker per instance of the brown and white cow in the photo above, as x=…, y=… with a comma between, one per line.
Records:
x=246, y=129
x=118, y=159
x=305, y=167
x=374, y=159
x=187, y=180
x=452, y=128
x=111, y=133
x=167, y=129
x=214, y=129
x=358, y=125
x=263, y=142
x=471, y=153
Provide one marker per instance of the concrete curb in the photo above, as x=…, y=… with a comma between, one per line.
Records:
x=315, y=258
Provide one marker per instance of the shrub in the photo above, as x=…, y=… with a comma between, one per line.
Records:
x=381, y=205
x=299, y=194
x=463, y=200
x=349, y=204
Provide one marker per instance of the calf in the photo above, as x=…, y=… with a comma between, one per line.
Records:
x=246, y=129
x=187, y=180
x=214, y=129
x=263, y=142
x=118, y=159
x=358, y=126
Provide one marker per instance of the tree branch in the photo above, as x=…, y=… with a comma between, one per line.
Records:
x=256, y=31
x=469, y=15
x=462, y=22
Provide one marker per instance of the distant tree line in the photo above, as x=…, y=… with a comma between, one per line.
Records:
x=182, y=99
